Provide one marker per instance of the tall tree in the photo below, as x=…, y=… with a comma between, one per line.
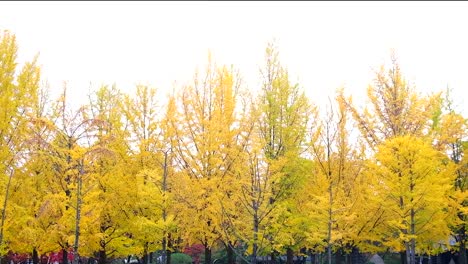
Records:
x=284, y=115
x=451, y=135
x=152, y=156
x=207, y=138
x=65, y=151
x=396, y=109
x=414, y=182
x=29, y=233
x=115, y=189
x=140, y=113
x=18, y=95
x=338, y=172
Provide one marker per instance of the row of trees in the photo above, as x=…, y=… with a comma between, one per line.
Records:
x=217, y=165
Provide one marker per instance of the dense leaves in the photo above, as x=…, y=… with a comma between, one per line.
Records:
x=214, y=166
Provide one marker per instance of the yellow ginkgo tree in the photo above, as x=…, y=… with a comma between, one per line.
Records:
x=337, y=195
x=151, y=157
x=414, y=181
x=30, y=197
x=207, y=132
x=451, y=137
x=395, y=108
x=277, y=171
x=18, y=95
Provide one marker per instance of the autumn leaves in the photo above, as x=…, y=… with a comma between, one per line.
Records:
x=215, y=164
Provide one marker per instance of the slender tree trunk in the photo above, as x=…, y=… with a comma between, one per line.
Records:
x=304, y=255
x=207, y=255
x=253, y=259
x=354, y=256
x=273, y=257
x=403, y=254
x=330, y=211
x=339, y=256
x=150, y=257
x=64, y=256
x=462, y=257
x=35, y=257
x=408, y=253
x=145, y=253
x=329, y=246
x=164, y=249
x=403, y=257
x=230, y=254
x=2, y=224
x=168, y=257
x=102, y=257
x=168, y=251
x=289, y=256
x=412, y=241
x=349, y=257
x=164, y=213
x=78, y=213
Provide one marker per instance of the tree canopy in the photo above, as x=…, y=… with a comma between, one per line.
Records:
x=218, y=166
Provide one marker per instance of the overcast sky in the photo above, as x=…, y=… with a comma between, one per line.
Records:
x=325, y=45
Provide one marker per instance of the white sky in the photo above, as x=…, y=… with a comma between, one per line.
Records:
x=323, y=44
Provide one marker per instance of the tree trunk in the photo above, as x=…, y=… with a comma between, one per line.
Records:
x=273, y=258
x=462, y=258
x=78, y=213
x=35, y=257
x=339, y=256
x=330, y=200
x=311, y=255
x=207, y=255
x=64, y=256
x=168, y=256
x=102, y=257
x=412, y=251
x=349, y=257
x=289, y=256
x=150, y=257
x=408, y=253
x=164, y=213
x=304, y=256
x=403, y=257
x=253, y=258
x=145, y=253
x=355, y=256
x=2, y=223
x=230, y=254
x=168, y=247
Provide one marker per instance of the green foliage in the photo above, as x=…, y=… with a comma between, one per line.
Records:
x=180, y=258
